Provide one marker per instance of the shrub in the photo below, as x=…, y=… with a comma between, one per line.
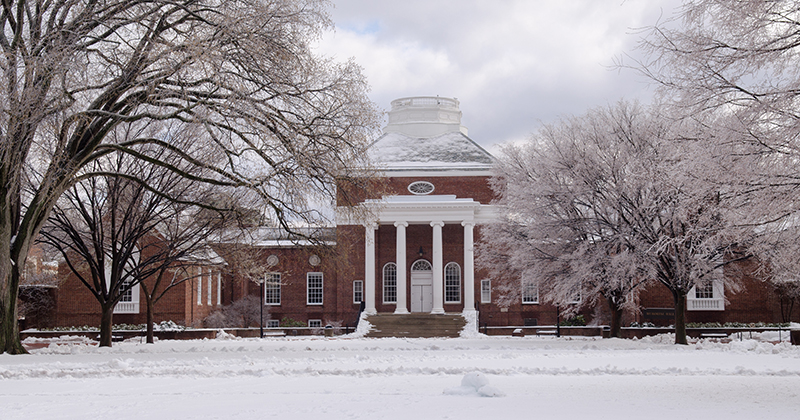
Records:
x=577, y=321
x=289, y=322
x=242, y=313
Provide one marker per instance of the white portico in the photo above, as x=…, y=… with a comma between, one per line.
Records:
x=439, y=179
x=434, y=211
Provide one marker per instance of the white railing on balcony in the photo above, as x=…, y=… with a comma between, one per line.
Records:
x=713, y=304
x=126, y=308
x=425, y=101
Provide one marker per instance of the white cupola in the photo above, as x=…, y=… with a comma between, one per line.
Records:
x=425, y=116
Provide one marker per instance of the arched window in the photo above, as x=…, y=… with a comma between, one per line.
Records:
x=390, y=283
x=452, y=283
x=421, y=265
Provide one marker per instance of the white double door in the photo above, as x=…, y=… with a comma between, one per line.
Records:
x=421, y=291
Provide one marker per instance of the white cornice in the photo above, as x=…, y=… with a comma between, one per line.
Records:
x=435, y=173
x=425, y=209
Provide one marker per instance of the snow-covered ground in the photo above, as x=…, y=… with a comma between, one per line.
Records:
x=411, y=379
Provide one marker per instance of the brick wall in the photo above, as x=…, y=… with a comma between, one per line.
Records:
x=475, y=187
x=294, y=264
x=77, y=306
x=756, y=300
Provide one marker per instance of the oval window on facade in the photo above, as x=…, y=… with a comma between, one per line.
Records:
x=421, y=187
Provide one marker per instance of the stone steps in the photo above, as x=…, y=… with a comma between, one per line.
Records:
x=416, y=325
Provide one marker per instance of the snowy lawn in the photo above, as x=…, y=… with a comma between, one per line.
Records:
x=411, y=379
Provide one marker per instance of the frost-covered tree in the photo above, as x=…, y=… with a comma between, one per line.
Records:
x=603, y=203
x=735, y=61
x=275, y=118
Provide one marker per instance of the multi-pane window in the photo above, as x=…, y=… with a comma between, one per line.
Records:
x=530, y=292
x=576, y=294
x=486, y=291
x=390, y=283
x=315, y=323
x=358, y=291
x=126, y=291
x=210, y=288
x=129, y=298
x=273, y=323
x=314, y=288
x=272, y=289
x=452, y=283
x=199, y=286
x=704, y=290
x=219, y=288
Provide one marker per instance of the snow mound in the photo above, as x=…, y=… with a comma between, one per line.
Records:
x=363, y=328
x=475, y=383
x=222, y=335
x=471, y=328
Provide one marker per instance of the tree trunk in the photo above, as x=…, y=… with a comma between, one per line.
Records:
x=9, y=324
x=616, y=317
x=787, y=306
x=106, y=325
x=9, y=327
x=680, y=317
x=150, y=303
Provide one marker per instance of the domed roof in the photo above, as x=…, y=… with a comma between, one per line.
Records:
x=425, y=133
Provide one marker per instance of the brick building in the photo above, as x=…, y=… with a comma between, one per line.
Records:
x=198, y=292
x=413, y=254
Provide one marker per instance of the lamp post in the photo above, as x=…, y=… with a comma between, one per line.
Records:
x=261, y=307
x=260, y=282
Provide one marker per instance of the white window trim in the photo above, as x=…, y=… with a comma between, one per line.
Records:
x=361, y=291
x=452, y=264
x=124, y=307
x=210, y=284
x=421, y=265
x=273, y=323
x=315, y=321
x=199, y=286
x=321, y=288
x=268, y=284
x=129, y=307
x=534, y=301
x=427, y=187
x=383, y=283
x=219, y=288
x=486, y=291
x=714, y=303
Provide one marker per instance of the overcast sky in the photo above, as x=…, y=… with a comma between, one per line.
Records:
x=512, y=64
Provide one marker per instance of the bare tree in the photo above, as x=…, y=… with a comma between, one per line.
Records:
x=275, y=118
x=603, y=203
x=117, y=230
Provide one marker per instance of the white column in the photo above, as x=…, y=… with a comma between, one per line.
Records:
x=369, y=270
x=400, y=260
x=469, y=267
x=438, y=269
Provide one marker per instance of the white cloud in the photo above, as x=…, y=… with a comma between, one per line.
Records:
x=510, y=63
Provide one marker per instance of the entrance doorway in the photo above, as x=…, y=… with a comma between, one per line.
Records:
x=421, y=286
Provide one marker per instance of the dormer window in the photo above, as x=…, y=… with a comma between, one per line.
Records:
x=420, y=187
